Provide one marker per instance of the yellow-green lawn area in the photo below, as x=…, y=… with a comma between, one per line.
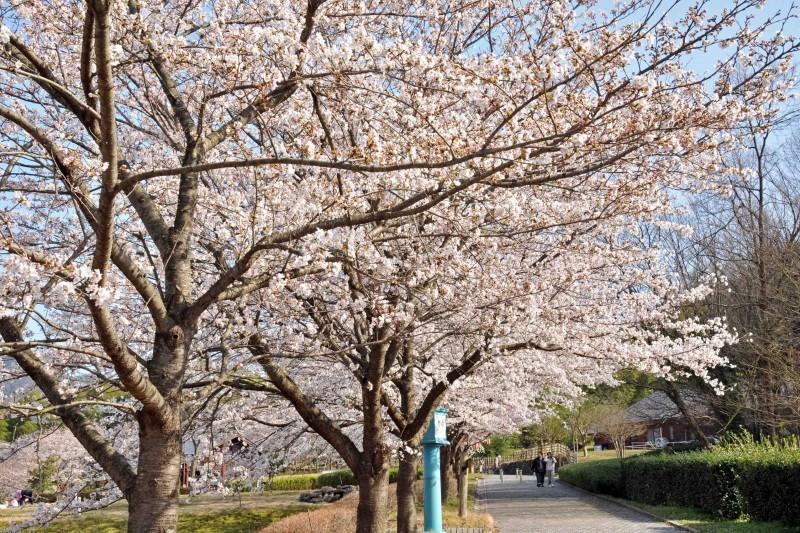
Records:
x=606, y=454
x=205, y=514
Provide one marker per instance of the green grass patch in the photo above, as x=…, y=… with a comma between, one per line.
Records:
x=230, y=521
x=706, y=523
x=206, y=514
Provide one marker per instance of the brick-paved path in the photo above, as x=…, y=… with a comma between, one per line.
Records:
x=525, y=508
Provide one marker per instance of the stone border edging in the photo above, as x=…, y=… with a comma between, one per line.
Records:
x=633, y=508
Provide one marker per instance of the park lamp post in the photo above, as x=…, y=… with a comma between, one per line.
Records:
x=435, y=437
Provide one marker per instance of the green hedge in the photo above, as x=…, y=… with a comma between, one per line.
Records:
x=317, y=481
x=770, y=488
x=340, y=477
x=295, y=482
x=759, y=482
x=346, y=477
x=602, y=477
x=707, y=481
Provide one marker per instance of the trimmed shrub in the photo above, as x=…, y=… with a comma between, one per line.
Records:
x=740, y=478
x=295, y=482
x=317, y=481
x=339, y=477
x=771, y=485
x=703, y=480
x=761, y=482
x=602, y=477
x=346, y=477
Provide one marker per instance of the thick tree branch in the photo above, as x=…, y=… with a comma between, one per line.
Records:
x=126, y=365
x=311, y=414
x=437, y=392
x=109, y=147
x=48, y=82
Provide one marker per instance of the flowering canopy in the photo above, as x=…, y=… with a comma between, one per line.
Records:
x=182, y=177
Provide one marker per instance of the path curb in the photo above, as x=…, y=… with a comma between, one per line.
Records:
x=634, y=508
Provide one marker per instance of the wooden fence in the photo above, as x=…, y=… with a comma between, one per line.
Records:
x=560, y=452
x=480, y=464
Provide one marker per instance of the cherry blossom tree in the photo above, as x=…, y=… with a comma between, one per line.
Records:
x=456, y=307
x=168, y=166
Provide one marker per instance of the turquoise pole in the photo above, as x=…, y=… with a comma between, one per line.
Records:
x=435, y=437
x=433, y=490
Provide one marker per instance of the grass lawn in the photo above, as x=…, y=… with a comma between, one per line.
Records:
x=230, y=514
x=606, y=454
x=206, y=514
x=707, y=523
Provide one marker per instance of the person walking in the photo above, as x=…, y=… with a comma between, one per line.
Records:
x=539, y=470
x=550, y=468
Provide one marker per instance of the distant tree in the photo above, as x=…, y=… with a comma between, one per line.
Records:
x=499, y=445
x=42, y=477
x=613, y=421
x=750, y=236
x=581, y=419
x=550, y=430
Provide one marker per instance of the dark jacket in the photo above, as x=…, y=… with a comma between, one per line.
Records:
x=539, y=465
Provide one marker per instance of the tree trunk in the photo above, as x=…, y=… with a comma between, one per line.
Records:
x=446, y=472
x=407, y=494
x=373, y=499
x=462, y=489
x=674, y=394
x=153, y=505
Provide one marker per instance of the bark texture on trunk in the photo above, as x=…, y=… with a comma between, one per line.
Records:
x=373, y=498
x=463, y=493
x=407, y=494
x=447, y=473
x=153, y=505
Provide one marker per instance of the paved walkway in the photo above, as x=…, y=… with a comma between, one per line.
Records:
x=525, y=508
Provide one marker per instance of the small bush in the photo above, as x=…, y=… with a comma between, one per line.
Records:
x=317, y=481
x=602, y=477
